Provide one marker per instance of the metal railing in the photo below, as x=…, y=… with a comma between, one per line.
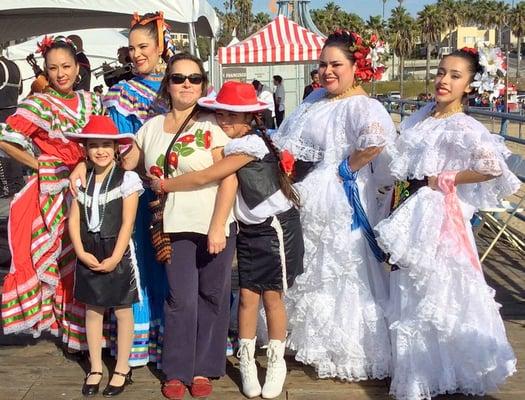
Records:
x=406, y=107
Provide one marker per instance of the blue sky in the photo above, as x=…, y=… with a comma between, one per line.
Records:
x=363, y=8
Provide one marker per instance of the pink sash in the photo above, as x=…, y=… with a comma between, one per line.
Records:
x=453, y=225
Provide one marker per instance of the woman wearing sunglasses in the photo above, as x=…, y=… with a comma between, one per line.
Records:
x=201, y=226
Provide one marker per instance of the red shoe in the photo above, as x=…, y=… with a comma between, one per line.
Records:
x=201, y=387
x=173, y=389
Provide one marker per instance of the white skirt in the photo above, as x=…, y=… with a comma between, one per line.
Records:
x=446, y=331
x=336, y=321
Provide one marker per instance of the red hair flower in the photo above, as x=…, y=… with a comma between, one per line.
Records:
x=369, y=55
x=45, y=44
x=287, y=162
x=470, y=50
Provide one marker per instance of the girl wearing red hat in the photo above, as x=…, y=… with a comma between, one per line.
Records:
x=269, y=242
x=101, y=223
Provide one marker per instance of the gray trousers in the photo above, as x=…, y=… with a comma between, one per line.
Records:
x=197, y=309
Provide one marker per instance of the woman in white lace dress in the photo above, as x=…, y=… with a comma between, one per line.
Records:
x=335, y=308
x=446, y=330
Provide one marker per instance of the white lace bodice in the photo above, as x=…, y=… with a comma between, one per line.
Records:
x=329, y=131
x=428, y=146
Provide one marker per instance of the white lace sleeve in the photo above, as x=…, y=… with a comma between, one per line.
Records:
x=485, y=161
x=251, y=145
x=131, y=184
x=487, y=156
x=372, y=135
x=377, y=129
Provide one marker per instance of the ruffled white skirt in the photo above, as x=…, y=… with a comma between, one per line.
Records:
x=336, y=321
x=446, y=331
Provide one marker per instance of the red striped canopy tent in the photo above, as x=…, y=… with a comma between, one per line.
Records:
x=281, y=41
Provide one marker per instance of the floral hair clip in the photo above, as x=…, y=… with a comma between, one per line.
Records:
x=43, y=46
x=287, y=162
x=470, y=50
x=494, y=69
x=48, y=41
x=369, y=56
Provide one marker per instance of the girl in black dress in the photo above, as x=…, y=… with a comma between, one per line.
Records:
x=269, y=242
x=100, y=225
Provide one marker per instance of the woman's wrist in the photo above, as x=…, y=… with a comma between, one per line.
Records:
x=162, y=185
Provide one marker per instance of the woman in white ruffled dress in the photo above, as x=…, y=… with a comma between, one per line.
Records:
x=336, y=318
x=446, y=331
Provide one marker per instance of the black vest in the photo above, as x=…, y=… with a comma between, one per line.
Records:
x=259, y=179
x=10, y=85
x=113, y=212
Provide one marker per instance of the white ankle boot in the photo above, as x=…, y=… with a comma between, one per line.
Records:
x=250, y=383
x=276, y=370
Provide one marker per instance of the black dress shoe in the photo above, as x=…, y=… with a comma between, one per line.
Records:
x=111, y=390
x=91, y=389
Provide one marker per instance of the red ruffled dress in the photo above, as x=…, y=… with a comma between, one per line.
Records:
x=38, y=290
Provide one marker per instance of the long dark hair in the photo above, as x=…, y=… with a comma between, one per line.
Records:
x=163, y=96
x=285, y=183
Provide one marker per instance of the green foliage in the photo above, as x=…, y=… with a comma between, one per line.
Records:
x=331, y=17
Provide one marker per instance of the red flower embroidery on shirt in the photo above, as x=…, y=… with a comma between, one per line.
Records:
x=173, y=159
x=156, y=171
x=207, y=139
x=187, y=139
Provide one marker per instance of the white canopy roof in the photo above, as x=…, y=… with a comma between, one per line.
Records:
x=26, y=18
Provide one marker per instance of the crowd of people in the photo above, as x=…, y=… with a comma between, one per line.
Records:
x=125, y=233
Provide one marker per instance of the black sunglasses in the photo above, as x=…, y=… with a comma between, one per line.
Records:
x=178, y=79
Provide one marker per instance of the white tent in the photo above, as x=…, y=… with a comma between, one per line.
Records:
x=26, y=18
x=19, y=19
x=100, y=45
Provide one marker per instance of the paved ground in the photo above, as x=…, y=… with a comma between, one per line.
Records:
x=37, y=370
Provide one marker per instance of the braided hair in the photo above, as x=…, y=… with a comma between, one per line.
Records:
x=285, y=182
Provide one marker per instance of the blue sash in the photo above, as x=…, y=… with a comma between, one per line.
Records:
x=359, y=218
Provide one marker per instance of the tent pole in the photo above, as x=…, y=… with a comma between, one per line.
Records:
x=191, y=36
x=211, y=62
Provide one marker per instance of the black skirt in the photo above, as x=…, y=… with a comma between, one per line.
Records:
x=112, y=289
x=270, y=254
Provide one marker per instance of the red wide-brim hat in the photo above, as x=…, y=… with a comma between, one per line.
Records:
x=236, y=97
x=101, y=127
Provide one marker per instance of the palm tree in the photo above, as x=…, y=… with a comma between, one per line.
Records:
x=260, y=20
x=403, y=32
x=351, y=21
x=431, y=23
x=244, y=12
x=452, y=16
x=517, y=26
x=375, y=24
x=501, y=18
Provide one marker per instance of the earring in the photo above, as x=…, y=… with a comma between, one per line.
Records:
x=161, y=66
x=78, y=79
